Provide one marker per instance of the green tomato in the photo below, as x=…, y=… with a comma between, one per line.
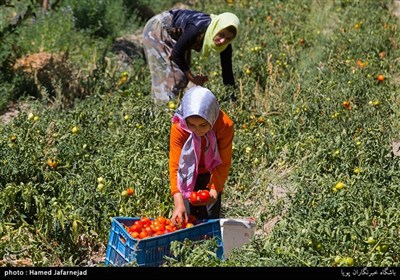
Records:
x=75, y=129
x=349, y=261
x=100, y=187
x=171, y=105
x=75, y=226
x=371, y=240
x=382, y=248
x=339, y=185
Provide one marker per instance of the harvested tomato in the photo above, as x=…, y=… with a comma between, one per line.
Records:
x=161, y=220
x=181, y=225
x=139, y=223
x=146, y=221
x=200, y=196
x=192, y=219
x=135, y=228
x=143, y=234
x=194, y=198
x=146, y=227
x=135, y=234
x=204, y=195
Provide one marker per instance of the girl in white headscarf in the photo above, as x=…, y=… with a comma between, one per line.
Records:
x=200, y=153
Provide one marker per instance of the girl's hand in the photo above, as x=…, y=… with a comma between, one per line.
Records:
x=179, y=214
x=199, y=80
x=213, y=196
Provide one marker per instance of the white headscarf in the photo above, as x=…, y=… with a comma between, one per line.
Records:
x=197, y=101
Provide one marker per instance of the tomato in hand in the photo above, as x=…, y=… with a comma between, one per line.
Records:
x=204, y=195
x=194, y=198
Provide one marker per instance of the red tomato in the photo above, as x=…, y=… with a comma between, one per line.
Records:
x=143, y=234
x=146, y=221
x=130, y=191
x=139, y=224
x=194, y=198
x=192, y=219
x=134, y=228
x=181, y=225
x=135, y=234
x=149, y=230
x=169, y=228
x=156, y=228
x=161, y=220
x=204, y=195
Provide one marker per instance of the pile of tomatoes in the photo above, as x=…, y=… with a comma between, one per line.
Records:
x=198, y=197
x=146, y=227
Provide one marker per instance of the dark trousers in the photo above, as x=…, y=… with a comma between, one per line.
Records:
x=204, y=212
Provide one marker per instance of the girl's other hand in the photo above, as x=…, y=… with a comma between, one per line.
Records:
x=200, y=80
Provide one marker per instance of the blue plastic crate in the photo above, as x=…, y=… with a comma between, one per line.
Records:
x=123, y=249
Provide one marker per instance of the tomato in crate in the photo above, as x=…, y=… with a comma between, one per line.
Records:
x=124, y=250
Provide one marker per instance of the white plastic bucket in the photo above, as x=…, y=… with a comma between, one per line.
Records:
x=236, y=232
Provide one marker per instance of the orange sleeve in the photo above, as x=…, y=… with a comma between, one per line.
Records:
x=224, y=130
x=177, y=139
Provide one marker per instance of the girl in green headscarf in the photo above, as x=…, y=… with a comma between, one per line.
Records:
x=212, y=38
x=168, y=39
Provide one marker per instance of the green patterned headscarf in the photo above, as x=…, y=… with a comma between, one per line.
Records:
x=218, y=22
